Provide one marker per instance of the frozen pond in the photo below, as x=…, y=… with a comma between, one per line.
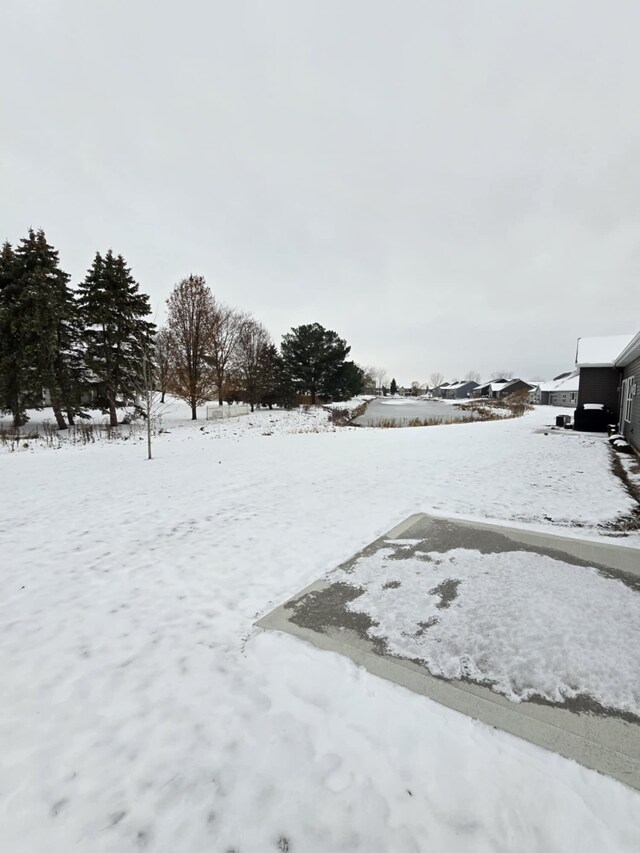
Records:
x=404, y=410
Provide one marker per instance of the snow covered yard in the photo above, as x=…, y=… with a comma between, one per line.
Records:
x=528, y=625
x=142, y=710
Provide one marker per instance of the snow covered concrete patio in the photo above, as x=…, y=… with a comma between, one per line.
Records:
x=468, y=613
x=141, y=710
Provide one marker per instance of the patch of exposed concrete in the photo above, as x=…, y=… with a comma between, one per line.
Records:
x=448, y=592
x=606, y=739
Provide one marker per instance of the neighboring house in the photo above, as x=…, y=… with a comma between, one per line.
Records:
x=539, y=394
x=458, y=390
x=490, y=389
x=439, y=390
x=600, y=377
x=565, y=392
x=628, y=363
x=513, y=386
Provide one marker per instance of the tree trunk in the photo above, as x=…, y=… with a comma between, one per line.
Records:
x=194, y=414
x=19, y=415
x=71, y=417
x=113, y=415
x=251, y=404
x=162, y=396
x=313, y=396
x=57, y=413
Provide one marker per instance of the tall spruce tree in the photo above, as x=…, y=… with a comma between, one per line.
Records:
x=14, y=376
x=50, y=336
x=39, y=351
x=116, y=332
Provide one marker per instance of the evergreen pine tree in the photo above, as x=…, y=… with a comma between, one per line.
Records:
x=393, y=388
x=348, y=382
x=115, y=331
x=49, y=332
x=38, y=331
x=13, y=374
x=313, y=357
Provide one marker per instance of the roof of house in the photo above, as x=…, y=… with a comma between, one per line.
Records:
x=515, y=382
x=570, y=383
x=601, y=352
x=456, y=385
x=494, y=384
x=563, y=382
x=504, y=386
x=631, y=351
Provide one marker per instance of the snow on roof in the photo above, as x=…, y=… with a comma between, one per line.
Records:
x=496, y=382
x=571, y=383
x=515, y=382
x=601, y=352
x=629, y=352
x=565, y=382
x=462, y=384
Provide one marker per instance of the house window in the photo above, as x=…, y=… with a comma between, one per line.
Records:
x=628, y=389
x=573, y=396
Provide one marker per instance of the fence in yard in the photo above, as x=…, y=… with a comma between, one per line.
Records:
x=218, y=413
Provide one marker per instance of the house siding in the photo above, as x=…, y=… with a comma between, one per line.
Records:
x=516, y=388
x=459, y=393
x=631, y=430
x=568, y=399
x=600, y=385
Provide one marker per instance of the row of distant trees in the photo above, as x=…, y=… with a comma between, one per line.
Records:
x=209, y=347
x=95, y=344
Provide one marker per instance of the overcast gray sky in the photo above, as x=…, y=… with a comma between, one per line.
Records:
x=449, y=185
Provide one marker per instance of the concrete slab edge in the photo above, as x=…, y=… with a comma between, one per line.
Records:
x=624, y=558
x=455, y=696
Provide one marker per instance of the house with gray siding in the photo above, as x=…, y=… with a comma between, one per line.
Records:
x=539, y=394
x=562, y=390
x=628, y=363
x=491, y=388
x=565, y=392
x=600, y=377
x=458, y=390
x=513, y=386
x=439, y=390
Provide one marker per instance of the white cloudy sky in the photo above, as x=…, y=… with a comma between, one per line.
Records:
x=449, y=185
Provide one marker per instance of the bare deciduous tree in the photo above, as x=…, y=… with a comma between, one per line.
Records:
x=472, y=376
x=380, y=376
x=225, y=327
x=503, y=374
x=191, y=313
x=252, y=362
x=436, y=379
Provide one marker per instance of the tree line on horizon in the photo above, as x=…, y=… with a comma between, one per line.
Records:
x=96, y=344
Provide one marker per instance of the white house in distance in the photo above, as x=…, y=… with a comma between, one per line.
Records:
x=560, y=391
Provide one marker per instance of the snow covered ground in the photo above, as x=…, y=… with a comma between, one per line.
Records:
x=525, y=624
x=142, y=711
